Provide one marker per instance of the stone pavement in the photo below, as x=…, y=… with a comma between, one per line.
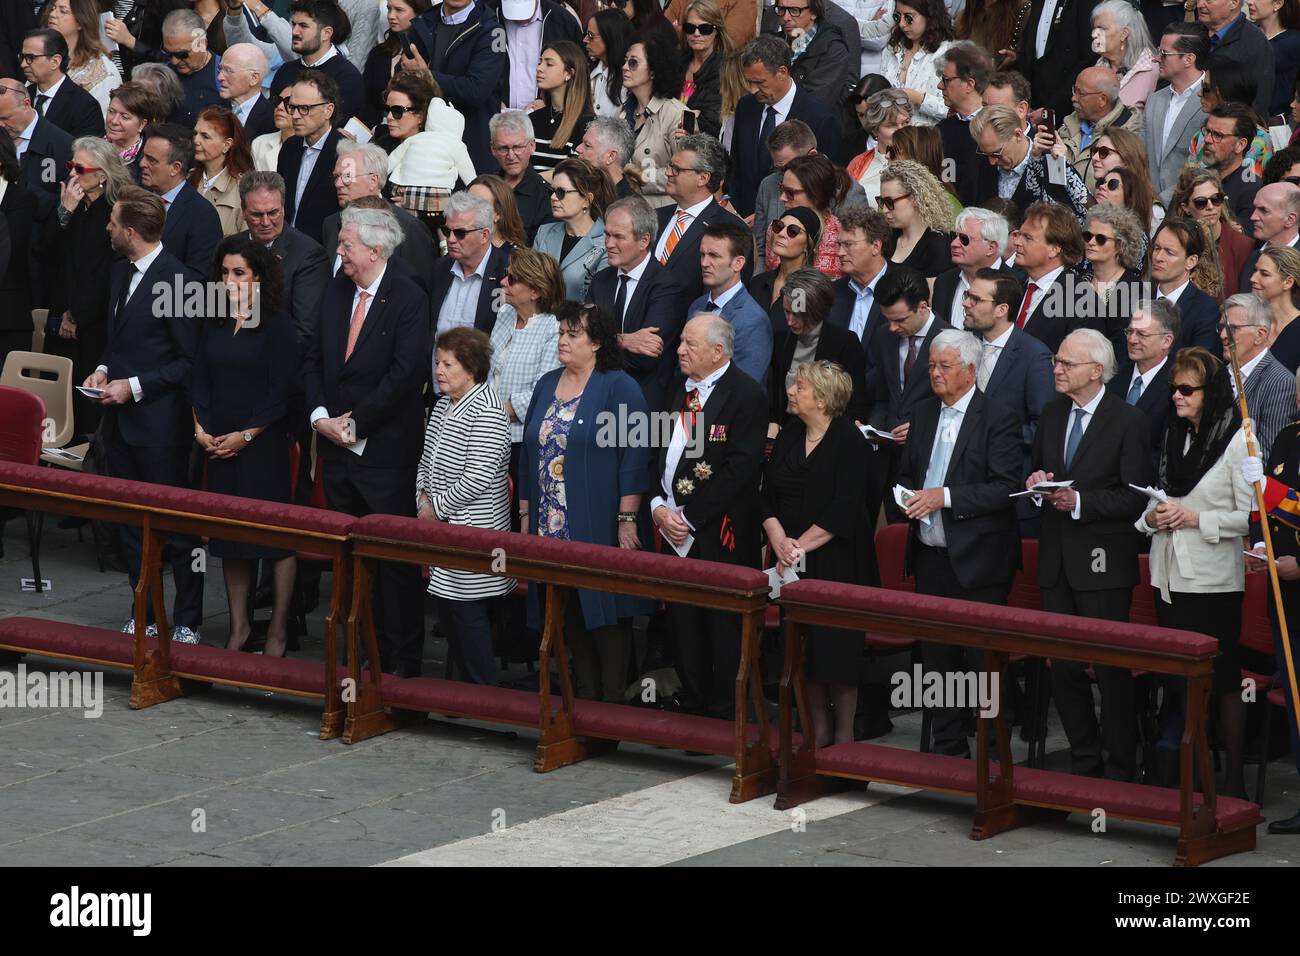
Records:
x=238, y=777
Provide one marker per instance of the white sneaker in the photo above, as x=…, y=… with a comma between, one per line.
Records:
x=129, y=628
x=184, y=635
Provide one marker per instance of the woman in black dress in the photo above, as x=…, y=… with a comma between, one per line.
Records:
x=244, y=373
x=917, y=207
x=815, y=516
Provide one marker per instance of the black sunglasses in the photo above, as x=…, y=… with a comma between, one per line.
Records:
x=703, y=29
x=964, y=239
x=397, y=112
x=791, y=229
x=888, y=201
x=1204, y=202
x=1187, y=391
x=1112, y=184
x=178, y=54
x=559, y=192
x=448, y=232
x=1100, y=239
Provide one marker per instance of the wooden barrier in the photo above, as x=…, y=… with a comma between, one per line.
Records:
x=1006, y=796
x=158, y=666
x=569, y=729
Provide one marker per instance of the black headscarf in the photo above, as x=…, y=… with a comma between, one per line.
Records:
x=1180, y=470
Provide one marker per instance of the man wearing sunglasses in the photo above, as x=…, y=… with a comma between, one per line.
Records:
x=1173, y=112
x=307, y=158
x=979, y=242
x=239, y=80
x=1270, y=387
x=62, y=101
x=1097, y=108
x=1276, y=222
x=185, y=43
x=467, y=280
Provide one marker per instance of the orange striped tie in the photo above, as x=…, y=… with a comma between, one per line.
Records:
x=675, y=236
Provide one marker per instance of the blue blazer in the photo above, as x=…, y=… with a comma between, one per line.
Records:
x=596, y=475
x=1022, y=380
x=585, y=259
x=753, y=354
x=1198, y=322
x=192, y=231
x=752, y=163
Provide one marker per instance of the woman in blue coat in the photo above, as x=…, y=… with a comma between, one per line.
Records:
x=583, y=481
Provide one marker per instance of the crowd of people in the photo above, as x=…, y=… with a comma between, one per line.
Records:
x=876, y=260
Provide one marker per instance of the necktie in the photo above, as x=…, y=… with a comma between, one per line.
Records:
x=1024, y=306
x=620, y=300
x=1072, y=440
x=769, y=124
x=354, y=327
x=913, y=347
x=988, y=361
x=674, y=237
x=124, y=294
x=941, y=453
x=1135, y=391
x=710, y=306
x=42, y=100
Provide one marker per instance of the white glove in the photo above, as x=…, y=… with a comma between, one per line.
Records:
x=1252, y=469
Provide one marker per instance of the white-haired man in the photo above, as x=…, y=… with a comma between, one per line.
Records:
x=363, y=376
x=608, y=142
x=1088, y=545
x=239, y=78
x=1270, y=386
x=980, y=242
x=963, y=460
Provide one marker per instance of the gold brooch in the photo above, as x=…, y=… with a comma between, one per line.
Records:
x=703, y=470
x=684, y=486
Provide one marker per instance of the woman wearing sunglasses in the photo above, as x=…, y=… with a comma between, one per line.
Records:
x=1119, y=148
x=1199, y=195
x=266, y=148
x=913, y=58
x=916, y=206
x=815, y=182
x=652, y=76
x=131, y=108
x=1276, y=280
x=609, y=34
x=1197, y=536
x=793, y=237
x=1121, y=187
x=83, y=258
x=1112, y=245
x=924, y=145
x=705, y=44
x=564, y=109
x=579, y=195
x=425, y=141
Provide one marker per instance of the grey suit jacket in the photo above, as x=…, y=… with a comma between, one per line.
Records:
x=585, y=259
x=1165, y=164
x=416, y=250
x=1270, y=398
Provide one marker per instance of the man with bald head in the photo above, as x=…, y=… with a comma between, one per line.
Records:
x=239, y=79
x=705, y=497
x=1097, y=108
x=1276, y=222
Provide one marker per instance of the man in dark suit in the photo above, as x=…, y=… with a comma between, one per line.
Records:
x=707, y=488
x=363, y=376
x=1233, y=37
x=1048, y=245
x=360, y=171
x=304, y=263
x=239, y=79
x=643, y=296
x=193, y=228
x=1143, y=379
x=962, y=461
x=1053, y=48
x=512, y=147
x=1276, y=222
x=315, y=23
x=775, y=98
x=1015, y=368
x=966, y=71
x=43, y=149
x=56, y=97
x=186, y=47
x=307, y=158
x=466, y=282
x=1177, y=247
x=980, y=242
x=1088, y=548
x=694, y=175
x=866, y=243
x=145, y=375
x=16, y=19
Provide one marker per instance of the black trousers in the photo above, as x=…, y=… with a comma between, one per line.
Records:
x=935, y=576
x=161, y=466
x=470, y=626
x=1117, y=732
x=397, y=595
x=708, y=657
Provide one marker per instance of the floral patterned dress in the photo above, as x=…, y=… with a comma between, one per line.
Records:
x=553, y=506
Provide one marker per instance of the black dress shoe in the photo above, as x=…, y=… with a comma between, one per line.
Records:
x=1289, y=826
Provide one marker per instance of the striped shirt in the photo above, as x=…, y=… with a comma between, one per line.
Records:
x=463, y=472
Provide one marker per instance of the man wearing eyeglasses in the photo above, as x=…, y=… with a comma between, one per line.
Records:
x=963, y=461
x=1270, y=387
x=1173, y=112
x=1097, y=108
x=1143, y=379
x=239, y=80
x=1229, y=130
x=964, y=74
x=1021, y=162
x=1088, y=546
x=185, y=43
x=307, y=158
x=825, y=44
x=44, y=60
x=1276, y=223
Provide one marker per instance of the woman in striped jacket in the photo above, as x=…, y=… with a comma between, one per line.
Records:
x=462, y=480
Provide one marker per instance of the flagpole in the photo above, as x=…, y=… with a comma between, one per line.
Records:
x=1252, y=448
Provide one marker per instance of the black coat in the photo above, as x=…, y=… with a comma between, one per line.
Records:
x=684, y=263
x=895, y=403
x=319, y=198
x=1068, y=50
x=306, y=273
x=533, y=197
x=72, y=110
x=375, y=76
x=48, y=152
x=733, y=429
x=15, y=20
x=1246, y=45
x=352, y=94
x=834, y=344
x=261, y=120
x=707, y=98
x=485, y=316
x=192, y=231
x=381, y=382
x=657, y=302
x=1198, y=321
x=1054, y=317
x=976, y=177
x=1154, y=401
x=980, y=529
x=1114, y=453
x=752, y=160
x=19, y=211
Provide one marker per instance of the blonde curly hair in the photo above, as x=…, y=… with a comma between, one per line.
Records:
x=926, y=191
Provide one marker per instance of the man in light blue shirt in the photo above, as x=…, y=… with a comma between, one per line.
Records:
x=723, y=250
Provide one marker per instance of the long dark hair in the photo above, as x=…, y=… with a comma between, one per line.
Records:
x=266, y=267
x=392, y=44
x=825, y=183
x=666, y=69
x=617, y=33
x=938, y=25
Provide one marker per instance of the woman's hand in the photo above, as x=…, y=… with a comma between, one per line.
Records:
x=206, y=441
x=71, y=194
x=117, y=32
x=627, y=537
x=229, y=445
x=425, y=509
x=1174, y=517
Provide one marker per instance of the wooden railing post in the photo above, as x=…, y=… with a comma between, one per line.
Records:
x=756, y=774
x=152, y=681
x=797, y=780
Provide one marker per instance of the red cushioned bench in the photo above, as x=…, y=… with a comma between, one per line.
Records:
x=570, y=730
x=161, y=510
x=1007, y=796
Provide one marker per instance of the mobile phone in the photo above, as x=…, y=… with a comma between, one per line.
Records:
x=1047, y=123
x=408, y=49
x=688, y=122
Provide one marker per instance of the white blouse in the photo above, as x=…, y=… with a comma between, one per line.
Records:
x=99, y=77
x=922, y=76
x=600, y=101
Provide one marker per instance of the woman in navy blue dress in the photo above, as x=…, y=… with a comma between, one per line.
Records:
x=244, y=371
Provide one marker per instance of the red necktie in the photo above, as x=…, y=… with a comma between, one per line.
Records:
x=1024, y=306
